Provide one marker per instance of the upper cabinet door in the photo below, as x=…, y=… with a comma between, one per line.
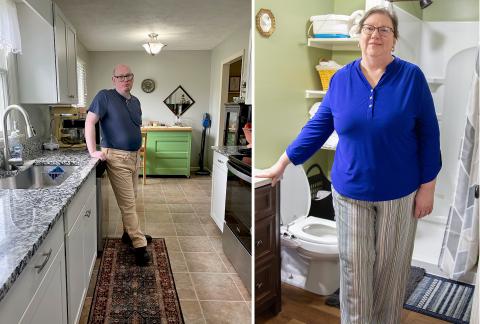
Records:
x=47, y=71
x=71, y=65
x=61, y=53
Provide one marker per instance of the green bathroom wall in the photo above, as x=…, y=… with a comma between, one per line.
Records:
x=284, y=69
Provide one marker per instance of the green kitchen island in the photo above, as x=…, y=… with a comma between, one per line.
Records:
x=168, y=150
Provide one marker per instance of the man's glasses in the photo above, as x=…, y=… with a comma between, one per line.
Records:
x=126, y=77
x=383, y=31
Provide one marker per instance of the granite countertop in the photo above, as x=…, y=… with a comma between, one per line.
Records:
x=228, y=150
x=28, y=215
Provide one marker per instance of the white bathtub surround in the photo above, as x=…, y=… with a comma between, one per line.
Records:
x=445, y=51
x=460, y=246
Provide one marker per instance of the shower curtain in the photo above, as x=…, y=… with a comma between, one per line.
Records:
x=459, y=253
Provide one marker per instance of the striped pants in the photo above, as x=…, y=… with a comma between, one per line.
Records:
x=375, y=241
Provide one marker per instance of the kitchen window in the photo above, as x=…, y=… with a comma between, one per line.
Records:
x=82, y=83
x=3, y=91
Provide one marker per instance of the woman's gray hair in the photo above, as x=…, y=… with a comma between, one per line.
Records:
x=383, y=11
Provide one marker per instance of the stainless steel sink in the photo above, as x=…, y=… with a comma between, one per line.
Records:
x=37, y=177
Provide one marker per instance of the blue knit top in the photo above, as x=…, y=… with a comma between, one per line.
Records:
x=120, y=120
x=389, y=141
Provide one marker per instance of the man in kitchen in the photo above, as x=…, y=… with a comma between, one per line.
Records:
x=120, y=117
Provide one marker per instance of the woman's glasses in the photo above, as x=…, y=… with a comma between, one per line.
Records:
x=127, y=77
x=383, y=31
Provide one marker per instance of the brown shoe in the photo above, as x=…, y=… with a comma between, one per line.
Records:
x=141, y=256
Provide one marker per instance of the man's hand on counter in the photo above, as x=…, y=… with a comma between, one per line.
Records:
x=99, y=155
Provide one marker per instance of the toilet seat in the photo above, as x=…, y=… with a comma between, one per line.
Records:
x=323, y=243
x=315, y=230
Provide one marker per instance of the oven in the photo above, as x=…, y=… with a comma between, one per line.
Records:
x=237, y=230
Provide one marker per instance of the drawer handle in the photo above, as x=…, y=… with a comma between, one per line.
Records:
x=238, y=229
x=71, y=96
x=88, y=213
x=220, y=161
x=259, y=243
x=47, y=255
x=259, y=285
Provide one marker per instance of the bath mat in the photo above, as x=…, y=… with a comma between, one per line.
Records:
x=442, y=298
x=127, y=293
x=416, y=274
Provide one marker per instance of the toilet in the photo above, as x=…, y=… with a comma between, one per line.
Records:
x=309, y=245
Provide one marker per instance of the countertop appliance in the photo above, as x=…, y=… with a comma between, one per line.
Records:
x=68, y=126
x=237, y=231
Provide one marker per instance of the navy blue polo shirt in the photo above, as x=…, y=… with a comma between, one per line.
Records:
x=120, y=120
x=389, y=141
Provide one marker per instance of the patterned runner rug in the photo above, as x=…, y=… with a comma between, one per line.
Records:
x=442, y=298
x=127, y=293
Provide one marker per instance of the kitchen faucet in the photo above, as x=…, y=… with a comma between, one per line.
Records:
x=30, y=132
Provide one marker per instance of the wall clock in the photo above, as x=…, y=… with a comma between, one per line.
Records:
x=265, y=22
x=148, y=85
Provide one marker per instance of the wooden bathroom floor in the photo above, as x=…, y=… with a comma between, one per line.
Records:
x=303, y=307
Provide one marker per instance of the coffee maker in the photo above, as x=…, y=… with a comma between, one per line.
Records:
x=68, y=126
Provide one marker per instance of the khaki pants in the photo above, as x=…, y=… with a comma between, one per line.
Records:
x=122, y=170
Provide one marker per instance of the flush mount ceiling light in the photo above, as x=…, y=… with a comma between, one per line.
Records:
x=153, y=47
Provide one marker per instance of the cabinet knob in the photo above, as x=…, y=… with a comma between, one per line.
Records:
x=220, y=161
x=259, y=243
x=237, y=228
x=47, y=257
x=476, y=191
x=259, y=285
x=88, y=213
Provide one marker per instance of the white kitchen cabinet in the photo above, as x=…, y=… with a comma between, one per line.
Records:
x=219, y=189
x=47, y=71
x=39, y=294
x=80, y=245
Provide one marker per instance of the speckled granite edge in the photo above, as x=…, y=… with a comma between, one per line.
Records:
x=228, y=150
x=60, y=197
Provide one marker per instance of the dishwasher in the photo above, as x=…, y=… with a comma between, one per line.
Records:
x=102, y=205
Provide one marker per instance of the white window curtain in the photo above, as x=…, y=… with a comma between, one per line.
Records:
x=9, y=29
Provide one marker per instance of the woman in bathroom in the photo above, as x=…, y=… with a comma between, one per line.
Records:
x=383, y=175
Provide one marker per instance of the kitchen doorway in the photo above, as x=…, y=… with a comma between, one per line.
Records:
x=231, y=80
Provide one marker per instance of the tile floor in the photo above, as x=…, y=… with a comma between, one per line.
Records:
x=178, y=209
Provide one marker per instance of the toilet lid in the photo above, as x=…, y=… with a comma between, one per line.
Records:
x=294, y=194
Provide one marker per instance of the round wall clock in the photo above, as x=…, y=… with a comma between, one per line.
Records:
x=148, y=85
x=265, y=22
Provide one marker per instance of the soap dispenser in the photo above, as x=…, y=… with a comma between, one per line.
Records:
x=16, y=148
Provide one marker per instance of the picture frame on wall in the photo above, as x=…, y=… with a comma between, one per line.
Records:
x=234, y=84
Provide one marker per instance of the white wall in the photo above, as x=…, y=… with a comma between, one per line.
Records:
x=409, y=40
x=237, y=42
x=169, y=69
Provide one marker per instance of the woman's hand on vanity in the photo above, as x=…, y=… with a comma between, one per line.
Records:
x=275, y=172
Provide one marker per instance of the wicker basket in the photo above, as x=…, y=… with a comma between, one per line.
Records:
x=322, y=208
x=325, y=76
